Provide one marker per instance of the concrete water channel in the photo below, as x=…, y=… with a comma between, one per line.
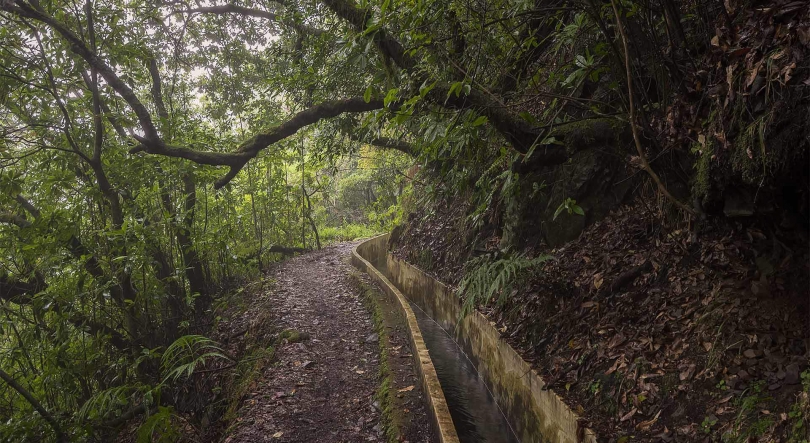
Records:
x=477, y=388
x=476, y=415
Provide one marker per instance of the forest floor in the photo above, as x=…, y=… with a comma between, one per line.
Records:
x=323, y=382
x=651, y=336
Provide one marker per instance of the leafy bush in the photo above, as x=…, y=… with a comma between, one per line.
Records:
x=348, y=232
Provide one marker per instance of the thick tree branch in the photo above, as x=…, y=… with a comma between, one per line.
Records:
x=61, y=437
x=14, y=219
x=78, y=47
x=384, y=142
x=517, y=132
x=28, y=206
x=250, y=148
x=520, y=134
x=157, y=93
x=19, y=292
x=257, y=13
x=357, y=17
x=392, y=143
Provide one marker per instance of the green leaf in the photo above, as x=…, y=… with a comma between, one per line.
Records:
x=367, y=95
x=480, y=121
x=559, y=210
x=528, y=117
x=390, y=97
x=455, y=87
x=425, y=88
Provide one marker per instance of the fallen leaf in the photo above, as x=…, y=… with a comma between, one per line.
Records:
x=409, y=388
x=597, y=281
x=687, y=373
x=753, y=74
x=645, y=425
x=278, y=434
x=629, y=415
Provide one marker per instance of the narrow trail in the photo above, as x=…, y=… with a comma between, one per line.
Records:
x=320, y=389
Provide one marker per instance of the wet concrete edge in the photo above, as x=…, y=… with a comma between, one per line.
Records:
x=535, y=413
x=442, y=422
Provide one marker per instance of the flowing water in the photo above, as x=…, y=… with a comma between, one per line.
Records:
x=476, y=415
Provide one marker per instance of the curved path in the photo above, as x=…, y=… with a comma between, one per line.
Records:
x=320, y=389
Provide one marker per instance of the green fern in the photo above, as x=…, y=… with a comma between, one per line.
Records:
x=158, y=427
x=485, y=278
x=103, y=403
x=186, y=353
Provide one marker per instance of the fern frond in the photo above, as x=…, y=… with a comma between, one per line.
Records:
x=102, y=403
x=485, y=278
x=158, y=427
x=186, y=353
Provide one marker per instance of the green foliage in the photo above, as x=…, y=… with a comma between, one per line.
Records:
x=799, y=415
x=347, y=232
x=158, y=427
x=486, y=278
x=570, y=205
x=749, y=423
x=105, y=403
x=186, y=353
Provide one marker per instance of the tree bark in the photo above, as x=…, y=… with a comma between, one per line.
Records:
x=309, y=217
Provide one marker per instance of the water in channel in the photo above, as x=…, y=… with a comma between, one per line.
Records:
x=476, y=415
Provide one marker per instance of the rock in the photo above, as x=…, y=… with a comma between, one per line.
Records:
x=792, y=374
x=774, y=386
x=738, y=203
x=372, y=338
x=781, y=375
x=376, y=405
x=307, y=364
x=293, y=336
x=596, y=179
x=751, y=353
x=743, y=374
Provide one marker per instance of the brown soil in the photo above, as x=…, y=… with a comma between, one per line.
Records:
x=322, y=381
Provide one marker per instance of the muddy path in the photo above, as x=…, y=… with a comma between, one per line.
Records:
x=322, y=382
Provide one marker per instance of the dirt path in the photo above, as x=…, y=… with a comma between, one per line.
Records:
x=319, y=389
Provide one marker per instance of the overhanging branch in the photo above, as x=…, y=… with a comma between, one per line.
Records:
x=251, y=12
x=78, y=47
x=392, y=143
x=250, y=148
x=358, y=17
